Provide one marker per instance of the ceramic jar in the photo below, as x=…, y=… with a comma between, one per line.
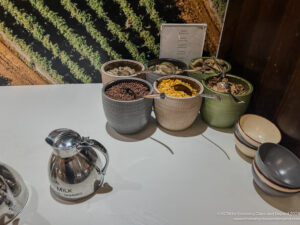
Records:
x=107, y=77
x=225, y=113
x=175, y=113
x=200, y=77
x=151, y=77
x=127, y=117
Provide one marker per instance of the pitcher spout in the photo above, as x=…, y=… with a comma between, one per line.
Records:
x=49, y=141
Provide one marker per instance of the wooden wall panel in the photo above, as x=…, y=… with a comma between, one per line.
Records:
x=261, y=39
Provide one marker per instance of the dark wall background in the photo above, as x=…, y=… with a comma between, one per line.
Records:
x=261, y=38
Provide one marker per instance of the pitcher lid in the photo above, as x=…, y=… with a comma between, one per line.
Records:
x=63, y=139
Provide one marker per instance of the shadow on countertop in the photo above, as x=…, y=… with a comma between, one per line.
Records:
x=30, y=214
x=243, y=156
x=147, y=132
x=229, y=130
x=104, y=189
x=284, y=204
x=197, y=128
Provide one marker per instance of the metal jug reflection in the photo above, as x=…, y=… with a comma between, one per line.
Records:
x=13, y=194
x=75, y=169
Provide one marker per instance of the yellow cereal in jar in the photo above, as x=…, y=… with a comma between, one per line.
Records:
x=167, y=86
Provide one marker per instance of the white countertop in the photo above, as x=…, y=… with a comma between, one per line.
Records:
x=196, y=184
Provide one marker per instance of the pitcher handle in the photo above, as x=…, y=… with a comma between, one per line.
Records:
x=96, y=145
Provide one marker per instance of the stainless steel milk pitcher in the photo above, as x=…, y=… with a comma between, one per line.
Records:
x=75, y=169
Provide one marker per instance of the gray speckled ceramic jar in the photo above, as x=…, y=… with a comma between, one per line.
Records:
x=127, y=117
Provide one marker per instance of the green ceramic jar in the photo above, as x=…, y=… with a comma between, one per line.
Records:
x=225, y=113
x=200, y=77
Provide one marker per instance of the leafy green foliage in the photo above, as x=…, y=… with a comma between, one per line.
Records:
x=220, y=6
x=115, y=29
x=36, y=58
x=137, y=25
x=150, y=9
x=38, y=32
x=77, y=41
x=85, y=19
